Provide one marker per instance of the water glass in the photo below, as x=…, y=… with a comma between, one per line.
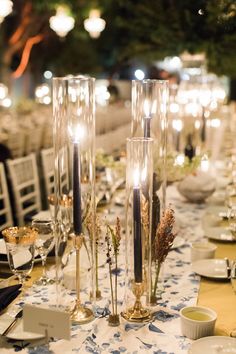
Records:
x=20, y=246
x=44, y=244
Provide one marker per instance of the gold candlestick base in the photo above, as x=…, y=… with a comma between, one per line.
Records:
x=137, y=313
x=81, y=314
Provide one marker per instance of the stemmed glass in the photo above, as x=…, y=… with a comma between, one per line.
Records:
x=20, y=246
x=44, y=244
x=230, y=200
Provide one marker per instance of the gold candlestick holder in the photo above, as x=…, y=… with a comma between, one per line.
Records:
x=137, y=313
x=80, y=314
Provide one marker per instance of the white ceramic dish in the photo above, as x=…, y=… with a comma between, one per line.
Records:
x=219, y=234
x=211, y=268
x=202, y=250
x=178, y=242
x=197, y=321
x=18, y=333
x=213, y=345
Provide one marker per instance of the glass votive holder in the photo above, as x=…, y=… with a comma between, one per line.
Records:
x=139, y=177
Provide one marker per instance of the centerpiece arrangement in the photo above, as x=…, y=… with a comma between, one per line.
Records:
x=148, y=235
x=74, y=139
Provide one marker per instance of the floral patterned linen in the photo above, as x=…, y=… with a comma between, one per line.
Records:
x=162, y=335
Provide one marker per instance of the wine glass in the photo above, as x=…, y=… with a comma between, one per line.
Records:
x=44, y=244
x=20, y=246
x=230, y=200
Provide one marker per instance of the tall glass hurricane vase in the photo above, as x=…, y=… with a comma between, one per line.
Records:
x=138, y=233
x=149, y=119
x=74, y=139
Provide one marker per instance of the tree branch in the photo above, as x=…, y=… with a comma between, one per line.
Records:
x=25, y=20
x=26, y=54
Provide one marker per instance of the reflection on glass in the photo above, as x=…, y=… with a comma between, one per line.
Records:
x=20, y=246
x=43, y=244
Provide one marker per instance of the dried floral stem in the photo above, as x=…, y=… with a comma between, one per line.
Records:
x=112, y=296
x=116, y=280
x=115, y=236
x=154, y=289
x=96, y=259
x=162, y=243
x=89, y=222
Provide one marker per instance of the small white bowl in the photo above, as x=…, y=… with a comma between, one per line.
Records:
x=202, y=250
x=197, y=321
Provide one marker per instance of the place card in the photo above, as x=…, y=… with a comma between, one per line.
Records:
x=52, y=323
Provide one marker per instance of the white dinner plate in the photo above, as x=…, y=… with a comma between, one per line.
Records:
x=178, y=242
x=219, y=234
x=18, y=333
x=213, y=345
x=211, y=268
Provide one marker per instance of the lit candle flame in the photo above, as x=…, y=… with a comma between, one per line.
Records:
x=179, y=160
x=77, y=133
x=146, y=108
x=177, y=124
x=197, y=124
x=205, y=163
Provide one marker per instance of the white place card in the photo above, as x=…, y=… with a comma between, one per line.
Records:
x=52, y=323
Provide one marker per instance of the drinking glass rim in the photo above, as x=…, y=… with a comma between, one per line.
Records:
x=20, y=235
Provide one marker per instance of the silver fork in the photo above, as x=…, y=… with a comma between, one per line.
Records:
x=228, y=268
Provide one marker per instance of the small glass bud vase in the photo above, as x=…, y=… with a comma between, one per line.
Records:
x=74, y=140
x=139, y=174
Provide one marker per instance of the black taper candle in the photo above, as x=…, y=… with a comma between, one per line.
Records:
x=137, y=227
x=177, y=140
x=77, y=215
x=147, y=127
x=203, y=131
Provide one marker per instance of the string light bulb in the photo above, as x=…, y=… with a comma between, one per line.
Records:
x=62, y=22
x=5, y=9
x=94, y=24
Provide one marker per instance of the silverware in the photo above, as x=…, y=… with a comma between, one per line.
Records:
x=228, y=268
x=13, y=323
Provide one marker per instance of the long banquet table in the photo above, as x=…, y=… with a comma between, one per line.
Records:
x=182, y=287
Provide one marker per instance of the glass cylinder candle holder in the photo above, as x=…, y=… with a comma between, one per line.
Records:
x=139, y=175
x=149, y=119
x=74, y=139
